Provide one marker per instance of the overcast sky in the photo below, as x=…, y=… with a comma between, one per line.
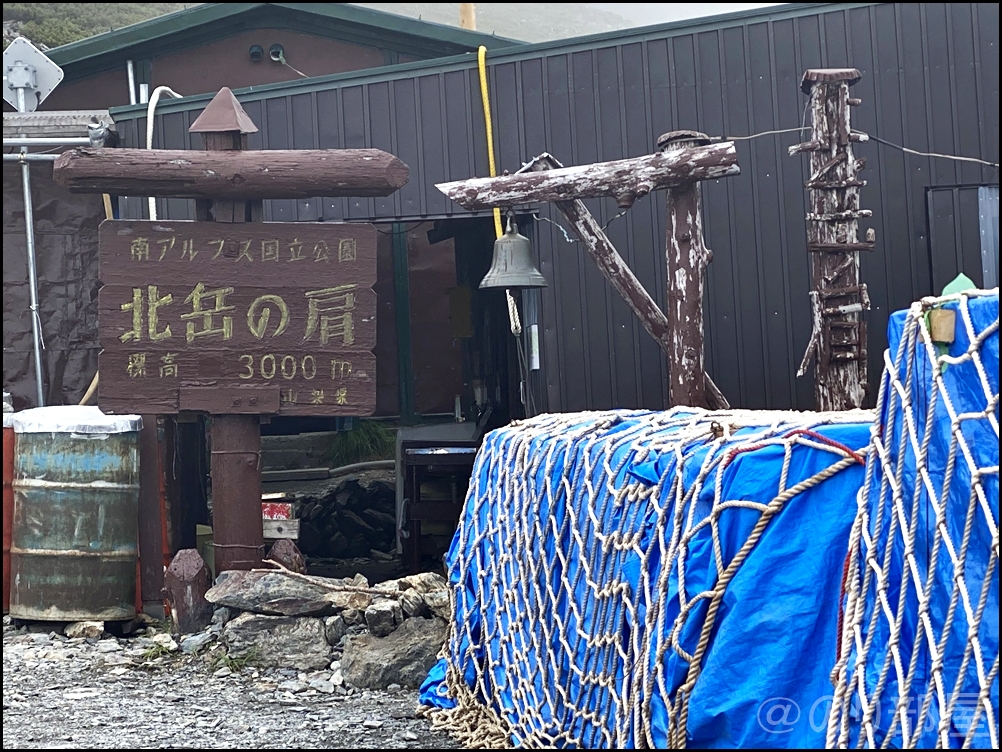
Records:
x=643, y=14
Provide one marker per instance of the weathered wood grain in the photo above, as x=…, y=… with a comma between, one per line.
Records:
x=625, y=179
x=234, y=175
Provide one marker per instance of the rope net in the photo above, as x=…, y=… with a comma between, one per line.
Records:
x=919, y=648
x=648, y=579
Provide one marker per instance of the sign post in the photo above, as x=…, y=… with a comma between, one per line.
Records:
x=233, y=316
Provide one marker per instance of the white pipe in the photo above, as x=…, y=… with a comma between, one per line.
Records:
x=149, y=130
x=45, y=141
x=130, y=69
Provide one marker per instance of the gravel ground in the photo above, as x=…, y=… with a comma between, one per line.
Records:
x=61, y=693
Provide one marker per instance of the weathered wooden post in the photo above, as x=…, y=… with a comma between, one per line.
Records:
x=228, y=315
x=234, y=439
x=687, y=258
x=838, y=298
x=625, y=180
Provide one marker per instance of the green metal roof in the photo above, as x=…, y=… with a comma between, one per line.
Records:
x=510, y=53
x=210, y=21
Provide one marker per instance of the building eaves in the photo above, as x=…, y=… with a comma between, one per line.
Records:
x=136, y=40
x=509, y=54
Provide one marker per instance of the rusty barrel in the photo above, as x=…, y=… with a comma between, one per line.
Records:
x=76, y=504
x=8, y=499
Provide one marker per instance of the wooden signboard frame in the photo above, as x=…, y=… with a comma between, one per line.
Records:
x=252, y=318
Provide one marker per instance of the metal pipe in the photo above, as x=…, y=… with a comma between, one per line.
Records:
x=131, y=70
x=150, y=109
x=30, y=157
x=29, y=232
x=45, y=141
x=372, y=465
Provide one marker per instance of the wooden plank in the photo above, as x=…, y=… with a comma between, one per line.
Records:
x=310, y=384
x=194, y=316
x=240, y=400
x=273, y=254
x=276, y=529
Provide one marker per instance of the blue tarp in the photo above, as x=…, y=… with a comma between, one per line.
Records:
x=765, y=677
x=965, y=385
x=773, y=642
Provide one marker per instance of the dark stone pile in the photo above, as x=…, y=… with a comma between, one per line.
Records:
x=350, y=518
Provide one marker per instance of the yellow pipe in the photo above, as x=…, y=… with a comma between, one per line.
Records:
x=482, y=63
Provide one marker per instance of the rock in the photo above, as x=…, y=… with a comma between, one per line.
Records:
x=334, y=630
x=337, y=678
x=222, y=615
x=271, y=593
x=193, y=643
x=359, y=580
x=164, y=641
x=285, y=553
x=404, y=657
x=344, y=600
x=224, y=671
x=186, y=581
x=291, y=685
x=382, y=617
x=425, y=582
x=322, y=685
x=412, y=604
x=84, y=629
x=408, y=736
x=279, y=641
x=353, y=617
x=109, y=646
x=372, y=723
x=438, y=602
x=393, y=688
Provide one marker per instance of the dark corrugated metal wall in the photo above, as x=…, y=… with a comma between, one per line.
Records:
x=930, y=82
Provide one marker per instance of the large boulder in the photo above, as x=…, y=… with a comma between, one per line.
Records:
x=403, y=657
x=279, y=641
x=271, y=593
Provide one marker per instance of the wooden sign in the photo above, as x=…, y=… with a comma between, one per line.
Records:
x=237, y=318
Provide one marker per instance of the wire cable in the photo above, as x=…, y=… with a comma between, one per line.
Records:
x=871, y=137
x=905, y=149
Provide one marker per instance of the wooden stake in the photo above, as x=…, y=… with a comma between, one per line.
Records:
x=687, y=257
x=838, y=338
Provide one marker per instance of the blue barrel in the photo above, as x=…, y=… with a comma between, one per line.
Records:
x=76, y=514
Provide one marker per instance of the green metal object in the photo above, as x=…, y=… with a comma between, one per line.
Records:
x=402, y=305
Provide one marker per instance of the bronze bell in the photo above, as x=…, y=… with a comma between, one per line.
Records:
x=512, y=266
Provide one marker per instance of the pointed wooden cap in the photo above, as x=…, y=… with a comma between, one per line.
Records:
x=223, y=115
